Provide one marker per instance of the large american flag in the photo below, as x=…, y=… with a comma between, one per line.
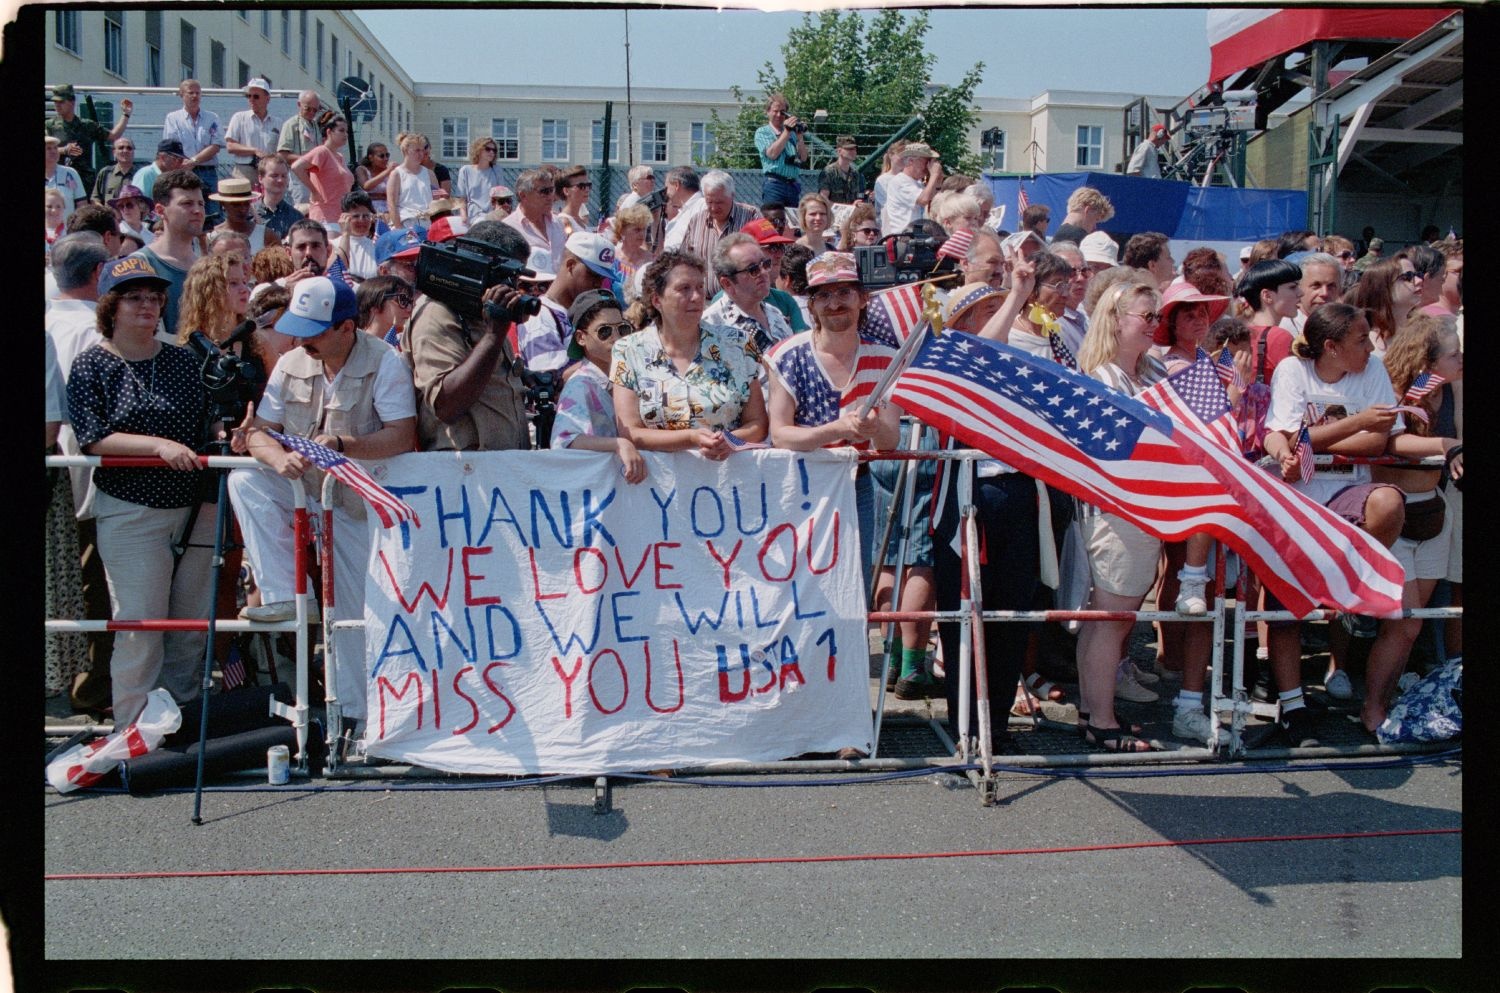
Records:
x=1194, y=397
x=892, y=314
x=392, y=510
x=1076, y=434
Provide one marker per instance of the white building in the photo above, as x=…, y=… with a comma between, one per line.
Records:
x=98, y=50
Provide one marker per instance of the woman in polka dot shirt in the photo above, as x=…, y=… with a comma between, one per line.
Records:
x=134, y=395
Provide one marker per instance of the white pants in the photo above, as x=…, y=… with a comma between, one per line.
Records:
x=263, y=504
x=146, y=583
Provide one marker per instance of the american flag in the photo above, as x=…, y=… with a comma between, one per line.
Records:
x=956, y=246
x=392, y=338
x=1224, y=365
x=1194, y=397
x=1022, y=200
x=1112, y=451
x=234, y=669
x=1306, y=463
x=336, y=270
x=391, y=510
x=892, y=314
x=1421, y=386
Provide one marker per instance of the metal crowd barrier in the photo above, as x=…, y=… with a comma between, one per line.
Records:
x=1235, y=705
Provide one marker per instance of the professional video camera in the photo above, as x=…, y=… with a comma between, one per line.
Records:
x=457, y=273
x=655, y=201
x=907, y=257
x=229, y=380
x=542, y=389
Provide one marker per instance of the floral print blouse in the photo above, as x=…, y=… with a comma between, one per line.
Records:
x=711, y=394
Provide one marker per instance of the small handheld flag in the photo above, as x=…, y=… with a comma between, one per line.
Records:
x=391, y=510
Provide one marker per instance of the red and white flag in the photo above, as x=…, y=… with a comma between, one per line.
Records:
x=956, y=246
x=893, y=314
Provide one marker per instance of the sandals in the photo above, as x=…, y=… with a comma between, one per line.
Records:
x=1044, y=690
x=1083, y=725
x=1116, y=739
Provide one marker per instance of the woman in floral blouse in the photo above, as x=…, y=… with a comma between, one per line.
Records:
x=680, y=383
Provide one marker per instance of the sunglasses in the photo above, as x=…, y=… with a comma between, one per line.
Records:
x=402, y=297
x=1154, y=317
x=581, y=186
x=764, y=265
x=867, y=230
x=502, y=201
x=545, y=189
x=606, y=331
x=491, y=148
x=1346, y=255
x=1409, y=277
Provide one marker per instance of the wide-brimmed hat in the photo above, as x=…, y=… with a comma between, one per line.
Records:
x=1100, y=247
x=965, y=297
x=127, y=193
x=235, y=189
x=1178, y=294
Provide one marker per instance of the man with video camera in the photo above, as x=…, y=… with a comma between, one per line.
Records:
x=350, y=392
x=470, y=395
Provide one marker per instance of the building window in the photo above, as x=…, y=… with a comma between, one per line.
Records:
x=319, y=52
x=302, y=38
x=286, y=33
x=189, y=46
x=245, y=16
x=596, y=149
x=114, y=42
x=153, y=48
x=653, y=141
x=455, y=138
x=243, y=74
x=385, y=115
x=507, y=134
x=554, y=140
x=215, y=63
x=333, y=61
x=1090, y=145
x=704, y=145
x=265, y=24
x=69, y=31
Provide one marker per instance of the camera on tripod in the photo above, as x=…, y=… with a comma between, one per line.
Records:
x=229, y=380
x=457, y=273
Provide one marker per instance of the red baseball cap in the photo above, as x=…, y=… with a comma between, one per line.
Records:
x=765, y=233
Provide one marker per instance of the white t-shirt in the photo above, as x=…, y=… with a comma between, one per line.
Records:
x=1294, y=385
x=901, y=207
x=395, y=399
x=362, y=257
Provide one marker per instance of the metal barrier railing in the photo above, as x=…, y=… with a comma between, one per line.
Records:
x=1234, y=705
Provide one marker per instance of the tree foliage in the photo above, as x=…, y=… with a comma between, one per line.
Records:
x=871, y=74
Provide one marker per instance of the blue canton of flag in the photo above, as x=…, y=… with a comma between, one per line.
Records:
x=392, y=510
x=1195, y=398
x=1306, y=463
x=336, y=270
x=392, y=338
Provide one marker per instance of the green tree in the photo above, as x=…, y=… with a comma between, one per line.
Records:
x=871, y=74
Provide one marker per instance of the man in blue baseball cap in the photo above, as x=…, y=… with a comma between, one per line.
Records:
x=352, y=393
x=396, y=252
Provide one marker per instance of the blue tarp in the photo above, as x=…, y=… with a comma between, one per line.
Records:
x=1180, y=211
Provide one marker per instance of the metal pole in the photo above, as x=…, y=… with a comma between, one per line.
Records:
x=629, y=102
x=906, y=486
x=207, y=685
x=604, y=172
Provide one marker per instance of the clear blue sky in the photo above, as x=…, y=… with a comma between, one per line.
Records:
x=1025, y=51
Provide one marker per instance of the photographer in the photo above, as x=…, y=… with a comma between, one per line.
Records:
x=782, y=145
x=470, y=396
x=133, y=394
x=352, y=393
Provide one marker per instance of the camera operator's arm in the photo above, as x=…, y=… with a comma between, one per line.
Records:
x=461, y=388
x=778, y=145
x=934, y=180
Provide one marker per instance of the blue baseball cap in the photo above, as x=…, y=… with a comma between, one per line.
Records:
x=130, y=269
x=399, y=243
x=317, y=304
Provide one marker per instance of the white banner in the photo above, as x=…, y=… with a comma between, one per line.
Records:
x=548, y=617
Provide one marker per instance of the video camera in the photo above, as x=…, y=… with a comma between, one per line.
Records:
x=654, y=201
x=456, y=273
x=229, y=380
x=907, y=257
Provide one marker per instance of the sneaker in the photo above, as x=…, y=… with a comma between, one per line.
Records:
x=1127, y=688
x=281, y=610
x=1298, y=726
x=1360, y=625
x=1190, y=597
x=1192, y=723
x=1338, y=686
x=1144, y=676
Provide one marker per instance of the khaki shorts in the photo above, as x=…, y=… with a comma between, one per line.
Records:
x=1122, y=557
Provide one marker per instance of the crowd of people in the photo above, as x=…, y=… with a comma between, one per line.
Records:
x=695, y=321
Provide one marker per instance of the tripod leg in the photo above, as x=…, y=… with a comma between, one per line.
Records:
x=221, y=510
